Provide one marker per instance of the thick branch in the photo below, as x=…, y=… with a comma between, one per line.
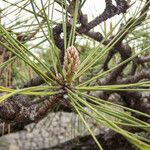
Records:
x=143, y=74
x=18, y=111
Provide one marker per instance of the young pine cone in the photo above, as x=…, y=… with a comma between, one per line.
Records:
x=71, y=62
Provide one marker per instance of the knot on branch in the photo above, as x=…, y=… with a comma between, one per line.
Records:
x=109, y=10
x=95, y=35
x=122, y=6
x=125, y=51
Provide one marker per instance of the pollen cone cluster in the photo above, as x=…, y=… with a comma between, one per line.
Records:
x=71, y=63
